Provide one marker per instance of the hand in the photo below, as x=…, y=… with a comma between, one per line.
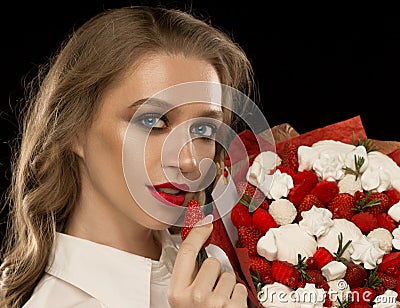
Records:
x=204, y=287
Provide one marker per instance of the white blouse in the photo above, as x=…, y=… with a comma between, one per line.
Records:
x=87, y=274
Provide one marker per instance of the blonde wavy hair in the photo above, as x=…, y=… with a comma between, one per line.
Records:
x=63, y=100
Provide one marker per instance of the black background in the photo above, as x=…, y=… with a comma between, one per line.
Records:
x=314, y=65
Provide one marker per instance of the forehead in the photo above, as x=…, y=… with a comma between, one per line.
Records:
x=191, y=93
x=176, y=80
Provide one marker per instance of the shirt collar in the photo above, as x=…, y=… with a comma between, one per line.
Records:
x=108, y=274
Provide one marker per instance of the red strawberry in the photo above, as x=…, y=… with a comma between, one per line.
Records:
x=308, y=275
x=356, y=275
x=285, y=273
x=306, y=178
x=263, y=220
x=297, y=194
x=397, y=289
x=341, y=206
x=289, y=156
x=389, y=260
x=328, y=301
x=355, y=305
x=358, y=195
x=394, y=196
x=264, y=205
x=258, y=263
x=325, y=191
x=393, y=271
x=248, y=238
x=192, y=216
x=306, y=204
x=267, y=278
x=311, y=263
x=323, y=256
x=366, y=222
x=287, y=170
x=385, y=221
x=387, y=282
x=382, y=207
x=316, y=277
x=261, y=266
x=303, y=182
x=363, y=294
x=241, y=216
x=372, y=202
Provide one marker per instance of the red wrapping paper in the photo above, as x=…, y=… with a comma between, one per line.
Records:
x=395, y=155
x=221, y=238
x=340, y=131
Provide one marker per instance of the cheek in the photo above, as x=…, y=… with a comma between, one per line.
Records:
x=104, y=153
x=152, y=150
x=141, y=157
x=205, y=149
x=205, y=153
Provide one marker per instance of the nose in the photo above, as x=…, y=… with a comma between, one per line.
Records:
x=187, y=161
x=179, y=153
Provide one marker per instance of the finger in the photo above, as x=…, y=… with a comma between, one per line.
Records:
x=185, y=262
x=225, y=285
x=239, y=294
x=207, y=276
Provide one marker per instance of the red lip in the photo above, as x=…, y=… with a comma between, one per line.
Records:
x=171, y=185
x=169, y=199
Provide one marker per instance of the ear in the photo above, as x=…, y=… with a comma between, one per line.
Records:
x=78, y=146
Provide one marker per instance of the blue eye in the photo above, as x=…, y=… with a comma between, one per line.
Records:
x=153, y=121
x=204, y=130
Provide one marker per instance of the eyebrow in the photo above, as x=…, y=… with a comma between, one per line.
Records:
x=153, y=101
x=210, y=113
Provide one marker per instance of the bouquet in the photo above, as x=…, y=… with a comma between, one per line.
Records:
x=316, y=223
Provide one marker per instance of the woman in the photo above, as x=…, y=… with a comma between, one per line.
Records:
x=80, y=236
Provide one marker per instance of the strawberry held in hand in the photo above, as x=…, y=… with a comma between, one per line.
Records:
x=194, y=215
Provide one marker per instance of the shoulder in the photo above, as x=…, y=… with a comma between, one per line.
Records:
x=54, y=292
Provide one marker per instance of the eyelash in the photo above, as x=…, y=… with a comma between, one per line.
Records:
x=208, y=137
x=153, y=115
x=163, y=118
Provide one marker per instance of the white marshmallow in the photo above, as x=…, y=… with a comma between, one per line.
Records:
x=394, y=211
x=266, y=246
x=334, y=270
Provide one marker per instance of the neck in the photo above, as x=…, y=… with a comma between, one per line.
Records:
x=100, y=222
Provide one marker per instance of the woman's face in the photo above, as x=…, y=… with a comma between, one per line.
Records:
x=151, y=141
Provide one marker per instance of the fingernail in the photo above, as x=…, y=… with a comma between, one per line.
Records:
x=205, y=221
